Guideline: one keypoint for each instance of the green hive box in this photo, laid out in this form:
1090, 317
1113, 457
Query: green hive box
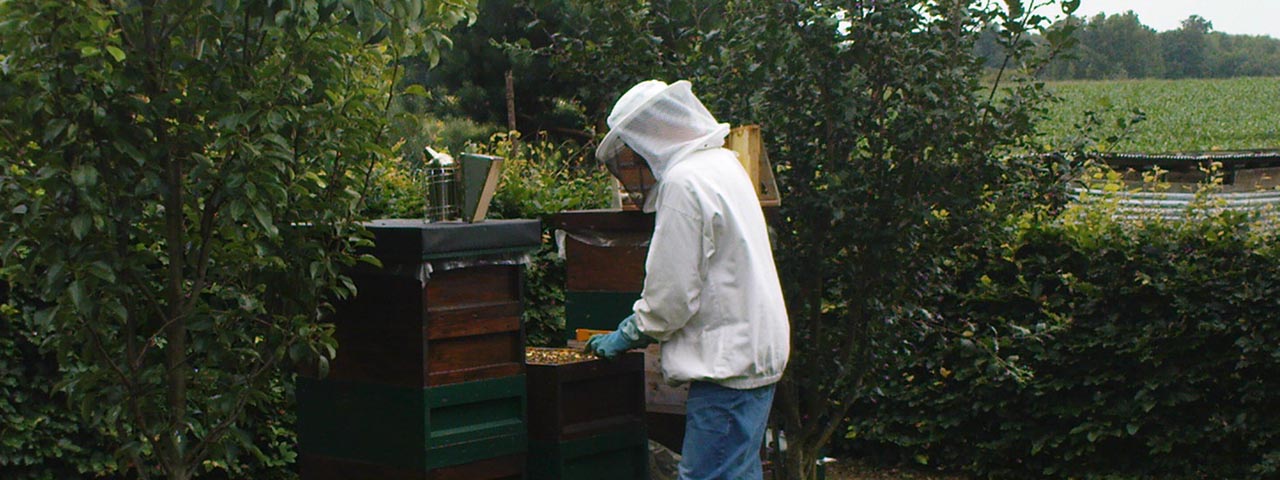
619, 455
412, 428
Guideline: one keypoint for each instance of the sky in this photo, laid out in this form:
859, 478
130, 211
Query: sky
1239, 17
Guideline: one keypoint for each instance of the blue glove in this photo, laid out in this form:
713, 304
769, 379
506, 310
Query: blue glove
626, 337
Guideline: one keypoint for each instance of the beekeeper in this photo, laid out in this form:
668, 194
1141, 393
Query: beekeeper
711, 294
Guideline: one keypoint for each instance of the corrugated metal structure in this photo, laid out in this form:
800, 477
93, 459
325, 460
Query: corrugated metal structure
1242, 171
1250, 184
1176, 205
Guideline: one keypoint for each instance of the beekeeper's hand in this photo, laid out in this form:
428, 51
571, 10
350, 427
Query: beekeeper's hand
626, 337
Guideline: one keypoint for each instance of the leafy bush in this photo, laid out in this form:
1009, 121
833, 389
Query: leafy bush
40, 437
1088, 347
179, 188
540, 179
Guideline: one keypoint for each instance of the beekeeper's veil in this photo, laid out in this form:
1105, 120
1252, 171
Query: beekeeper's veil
663, 124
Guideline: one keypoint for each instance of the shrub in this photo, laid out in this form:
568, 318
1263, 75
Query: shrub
1088, 347
540, 179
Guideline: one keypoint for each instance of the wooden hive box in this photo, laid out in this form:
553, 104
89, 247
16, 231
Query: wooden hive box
411, 429
579, 399
619, 455
439, 310
429, 377
604, 253
511, 467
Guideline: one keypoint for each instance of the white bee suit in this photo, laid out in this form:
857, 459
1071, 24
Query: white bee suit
711, 293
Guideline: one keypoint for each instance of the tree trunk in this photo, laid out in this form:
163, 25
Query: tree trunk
800, 463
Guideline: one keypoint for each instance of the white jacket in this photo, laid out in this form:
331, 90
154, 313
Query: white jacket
711, 292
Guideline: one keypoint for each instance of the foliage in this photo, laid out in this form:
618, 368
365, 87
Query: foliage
1082, 346
540, 179
1180, 116
890, 153
1120, 47
395, 192
180, 182
39, 437
472, 75
1111, 46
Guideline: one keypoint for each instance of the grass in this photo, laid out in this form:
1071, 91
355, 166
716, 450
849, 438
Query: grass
1181, 115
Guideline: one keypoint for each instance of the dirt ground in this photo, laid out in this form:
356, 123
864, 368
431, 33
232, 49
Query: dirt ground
856, 470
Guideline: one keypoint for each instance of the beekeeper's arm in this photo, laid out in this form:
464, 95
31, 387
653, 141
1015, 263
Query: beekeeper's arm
676, 267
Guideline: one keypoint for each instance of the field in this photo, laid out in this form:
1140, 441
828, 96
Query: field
1181, 115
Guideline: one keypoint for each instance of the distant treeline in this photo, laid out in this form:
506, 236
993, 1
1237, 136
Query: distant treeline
1119, 46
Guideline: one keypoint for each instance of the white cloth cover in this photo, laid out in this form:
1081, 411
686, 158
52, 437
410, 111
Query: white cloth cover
711, 292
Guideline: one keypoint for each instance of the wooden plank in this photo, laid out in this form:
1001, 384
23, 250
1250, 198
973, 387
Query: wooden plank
473, 287
591, 268
472, 355
498, 370
510, 467
384, 299
745, 141
499, 317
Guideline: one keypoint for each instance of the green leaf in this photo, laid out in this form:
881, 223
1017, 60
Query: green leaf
44, 318
116, 53
79, 298
263, 216
84, 176
416, 90
80, 225
102, 271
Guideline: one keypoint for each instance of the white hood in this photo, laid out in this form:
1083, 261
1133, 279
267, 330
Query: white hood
663, 124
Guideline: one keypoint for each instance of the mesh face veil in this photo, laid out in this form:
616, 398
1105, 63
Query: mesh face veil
633, 174
662, 123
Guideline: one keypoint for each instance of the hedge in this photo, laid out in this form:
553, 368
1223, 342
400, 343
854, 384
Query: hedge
1096, 349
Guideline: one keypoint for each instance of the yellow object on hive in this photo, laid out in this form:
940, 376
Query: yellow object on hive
584, 334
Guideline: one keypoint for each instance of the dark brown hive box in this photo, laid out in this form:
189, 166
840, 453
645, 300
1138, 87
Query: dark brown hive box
444, 308
578, 399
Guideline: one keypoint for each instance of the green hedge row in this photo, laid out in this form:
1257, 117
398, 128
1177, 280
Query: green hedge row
39, 437
1096, 349
43, 438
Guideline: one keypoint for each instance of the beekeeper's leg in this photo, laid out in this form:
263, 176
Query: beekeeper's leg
724, 429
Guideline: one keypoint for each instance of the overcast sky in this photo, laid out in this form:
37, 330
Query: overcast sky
1251, 17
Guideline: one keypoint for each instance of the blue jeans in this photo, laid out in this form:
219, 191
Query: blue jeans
724, 429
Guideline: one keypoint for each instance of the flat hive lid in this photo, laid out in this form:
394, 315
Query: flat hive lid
402, 240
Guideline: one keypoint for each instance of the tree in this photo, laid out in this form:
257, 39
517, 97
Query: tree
1111, 46
891, 152
180, 183
1186, 50
1122, 45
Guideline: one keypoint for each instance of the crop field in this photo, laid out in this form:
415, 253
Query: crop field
1180, 115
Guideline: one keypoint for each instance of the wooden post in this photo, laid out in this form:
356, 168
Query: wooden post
511, 102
